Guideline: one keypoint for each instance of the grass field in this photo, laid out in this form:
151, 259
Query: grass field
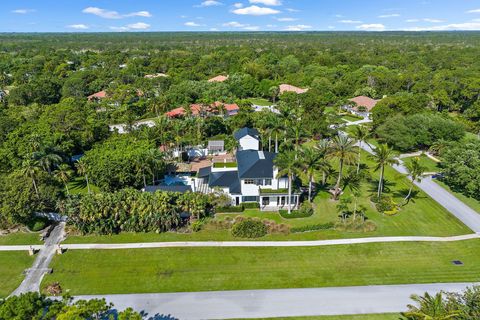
351, 118
383, 316
79, 186
20, 238
260, 102
426, 162
206, 269
11, 270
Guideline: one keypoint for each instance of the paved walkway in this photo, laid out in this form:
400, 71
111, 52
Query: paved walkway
276, 303
40, 266
456, 207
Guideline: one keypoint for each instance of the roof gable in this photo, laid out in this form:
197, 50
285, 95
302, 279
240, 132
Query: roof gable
254, 164
239, 134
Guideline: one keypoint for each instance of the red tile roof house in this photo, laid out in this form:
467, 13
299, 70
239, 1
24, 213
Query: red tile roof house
362, 106
97, 96
198, 109
289, 88
219, 78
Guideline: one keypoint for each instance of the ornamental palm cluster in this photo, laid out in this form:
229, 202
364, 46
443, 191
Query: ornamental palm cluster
131, 210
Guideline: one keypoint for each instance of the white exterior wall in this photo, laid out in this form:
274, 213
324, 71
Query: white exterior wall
249, 143
249, 189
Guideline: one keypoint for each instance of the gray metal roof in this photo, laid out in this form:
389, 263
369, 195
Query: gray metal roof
172, 188
239, 134
225, 179
254, 164
204, 172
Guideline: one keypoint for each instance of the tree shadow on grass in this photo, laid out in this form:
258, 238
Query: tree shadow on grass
387, 186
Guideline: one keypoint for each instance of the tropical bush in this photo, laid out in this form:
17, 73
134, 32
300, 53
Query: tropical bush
37, 224
230, 209
249, 228
355, 225
305, 210
251, 205
313, 227
131, 210
385, 204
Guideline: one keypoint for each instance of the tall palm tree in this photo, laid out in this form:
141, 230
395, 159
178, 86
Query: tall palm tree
383, 156
415, 171
30, 169
323, 148
343, 149
287, 165
430, 308
82, 168
310, 162
63, 174
47, 160
360, 134
353, 182
154, 159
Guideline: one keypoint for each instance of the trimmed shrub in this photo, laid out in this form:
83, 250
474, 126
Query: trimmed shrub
313, 227
251, 205
306, 210
358, 225
385, 205
38, 224
230, 209
249, 228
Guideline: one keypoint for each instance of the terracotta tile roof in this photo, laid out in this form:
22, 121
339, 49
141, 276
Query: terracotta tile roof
290, 88
99, 95
363, 101
219, 78
197, 108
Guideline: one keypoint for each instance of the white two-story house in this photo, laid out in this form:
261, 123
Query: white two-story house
253, 177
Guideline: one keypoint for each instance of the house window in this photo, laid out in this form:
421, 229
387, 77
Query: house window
250, 199
259, 182
268, 182
249, 181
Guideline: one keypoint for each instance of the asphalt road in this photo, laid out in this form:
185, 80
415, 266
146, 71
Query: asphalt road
276, 303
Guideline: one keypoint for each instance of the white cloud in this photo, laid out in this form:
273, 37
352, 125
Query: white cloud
133, 26
433, 20
111, 14
331, 27
267, 2
234, 24
412, 20
286, 19
474, 11
210, 3
393, 15
238, 5
213, 29
252, 28
292, 10
79, 26
371, 27
298, 27
23, 11
255, 11
350, 21
449, 27
192, 24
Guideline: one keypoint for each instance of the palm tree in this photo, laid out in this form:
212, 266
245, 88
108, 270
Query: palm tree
154, 159
30, 169
353, 182
143, 168
48, 160
383, 156
343, 149
310, 163
415, 171
63, 174
360, 134
431, 308
82, 168
323, 148
288, 165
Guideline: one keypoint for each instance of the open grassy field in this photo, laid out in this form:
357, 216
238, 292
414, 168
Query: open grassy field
11, 270
19, 238
426, 162
351, 117
206, 269
260, 102
383, 316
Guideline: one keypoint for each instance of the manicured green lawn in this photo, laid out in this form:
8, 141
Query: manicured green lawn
471, 202
206, 269
20, 238
79, 186
426, 162
383, 316
351, 118
260, 102
11, 270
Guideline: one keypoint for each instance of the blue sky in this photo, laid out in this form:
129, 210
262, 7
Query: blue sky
237, 15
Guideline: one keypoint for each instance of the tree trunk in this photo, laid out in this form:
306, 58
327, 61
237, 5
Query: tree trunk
380, 184
34, 185
407, 198
276, 142
355, 208
339, 179
66, 187
289, 193
310, 183
88, 184
324, 178
144, 179
359, 156
269, 143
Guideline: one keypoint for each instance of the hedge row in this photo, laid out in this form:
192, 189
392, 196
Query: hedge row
313, 227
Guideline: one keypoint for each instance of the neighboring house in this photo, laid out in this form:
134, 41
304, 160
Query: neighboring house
97, 96
253, 177
155, 75
289, 88
216, 108
219, 78
3, 95
216, 147
362, 106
